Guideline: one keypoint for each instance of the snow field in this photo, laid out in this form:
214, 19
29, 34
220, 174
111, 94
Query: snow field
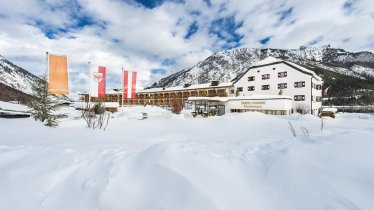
238, 161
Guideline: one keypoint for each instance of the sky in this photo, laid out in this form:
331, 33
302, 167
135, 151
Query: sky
157, 38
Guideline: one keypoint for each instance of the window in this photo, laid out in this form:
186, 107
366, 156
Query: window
299, 84
282, 74
282, 85
265, 87
251, 88
319, 87
299, 97
239, 89
318, 98
266, 76
252, 78
232, 91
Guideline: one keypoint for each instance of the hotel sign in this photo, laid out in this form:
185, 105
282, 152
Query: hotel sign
253, 104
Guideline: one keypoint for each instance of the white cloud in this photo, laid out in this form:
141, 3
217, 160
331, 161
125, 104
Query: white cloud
126, 34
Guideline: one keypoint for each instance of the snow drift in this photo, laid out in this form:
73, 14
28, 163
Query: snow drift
238, 161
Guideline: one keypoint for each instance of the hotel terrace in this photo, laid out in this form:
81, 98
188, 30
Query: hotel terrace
164, 97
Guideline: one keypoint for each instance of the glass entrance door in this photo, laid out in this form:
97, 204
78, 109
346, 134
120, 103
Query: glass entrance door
221, 110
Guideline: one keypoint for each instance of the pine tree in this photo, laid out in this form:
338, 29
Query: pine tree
42, 105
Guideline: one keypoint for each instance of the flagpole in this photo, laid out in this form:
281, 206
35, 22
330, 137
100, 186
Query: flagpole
123, 80
47, 70
89, 83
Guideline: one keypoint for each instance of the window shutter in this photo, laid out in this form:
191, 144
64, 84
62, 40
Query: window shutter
285, 74
279, 86
279, 74
303, 97
285, 85
295, 84
303, 84
295, 98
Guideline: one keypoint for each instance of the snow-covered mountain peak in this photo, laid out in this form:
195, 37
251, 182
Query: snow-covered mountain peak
16, 77
226, 65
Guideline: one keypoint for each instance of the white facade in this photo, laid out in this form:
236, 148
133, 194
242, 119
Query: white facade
208, 106
273, 75
276, 105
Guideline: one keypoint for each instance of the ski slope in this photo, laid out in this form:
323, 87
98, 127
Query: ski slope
238, 161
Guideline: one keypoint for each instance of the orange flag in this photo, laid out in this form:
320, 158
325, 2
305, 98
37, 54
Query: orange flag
58, 74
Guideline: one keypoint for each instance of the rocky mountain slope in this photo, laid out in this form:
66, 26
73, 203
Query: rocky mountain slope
15, 77
336, 66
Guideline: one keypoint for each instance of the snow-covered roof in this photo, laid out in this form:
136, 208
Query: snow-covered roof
252, 97
223, 99
271, 60
267, 60
262, 97
106, 104
304, 69
181, 88
13, 106
330, 109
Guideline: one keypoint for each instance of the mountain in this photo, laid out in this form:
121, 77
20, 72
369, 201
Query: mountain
326, 61
15, 82
15, 76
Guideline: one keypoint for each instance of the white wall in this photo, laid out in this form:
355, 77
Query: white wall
293, 75
264, 104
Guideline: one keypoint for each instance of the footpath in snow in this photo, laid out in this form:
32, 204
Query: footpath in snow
238, 161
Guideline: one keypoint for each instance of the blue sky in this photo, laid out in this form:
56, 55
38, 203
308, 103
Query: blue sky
159, 37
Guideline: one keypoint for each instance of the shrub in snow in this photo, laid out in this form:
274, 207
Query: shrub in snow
95, 116
302, 108
176, 106
41, 104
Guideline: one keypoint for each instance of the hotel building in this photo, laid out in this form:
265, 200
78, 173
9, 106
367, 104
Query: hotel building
272, 86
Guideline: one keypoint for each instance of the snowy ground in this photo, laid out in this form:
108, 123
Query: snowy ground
238, 161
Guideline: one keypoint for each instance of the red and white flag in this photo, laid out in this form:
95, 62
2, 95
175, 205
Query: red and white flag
325, 91
98, 82
129, 84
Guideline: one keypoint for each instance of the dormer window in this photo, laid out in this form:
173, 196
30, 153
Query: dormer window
265, 87
282, 85
265, 76
299, 98
282, 74
300, 84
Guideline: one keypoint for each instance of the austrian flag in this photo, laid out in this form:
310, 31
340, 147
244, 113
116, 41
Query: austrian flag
98, 82
129, 84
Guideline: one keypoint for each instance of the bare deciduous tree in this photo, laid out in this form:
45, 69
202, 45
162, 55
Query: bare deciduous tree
95, 116
176, 106
302, 108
